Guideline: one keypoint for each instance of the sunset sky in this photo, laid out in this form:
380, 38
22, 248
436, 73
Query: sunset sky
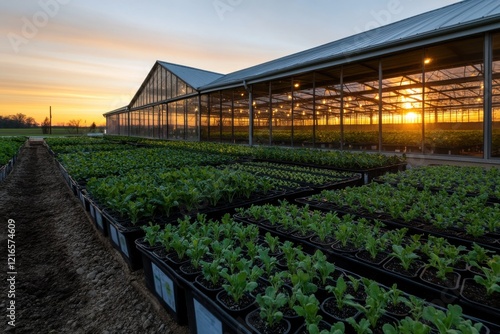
85, 58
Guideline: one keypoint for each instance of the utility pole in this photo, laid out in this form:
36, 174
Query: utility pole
50, 127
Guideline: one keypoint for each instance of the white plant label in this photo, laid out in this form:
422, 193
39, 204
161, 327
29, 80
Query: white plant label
114, 235
206, 322
123, 244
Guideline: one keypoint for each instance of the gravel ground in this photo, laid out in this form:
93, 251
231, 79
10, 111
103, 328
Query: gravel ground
69, 279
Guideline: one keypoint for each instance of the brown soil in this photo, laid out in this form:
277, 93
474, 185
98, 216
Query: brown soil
69, 279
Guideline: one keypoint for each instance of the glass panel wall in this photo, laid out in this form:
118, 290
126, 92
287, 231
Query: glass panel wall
495, 145
262, 108
123, 127
241, 116
281, 101
214, 117
454, 106
328, 95
113, 124
303, 110
205, 118
192, 116
402, 88
227, 116
361, 108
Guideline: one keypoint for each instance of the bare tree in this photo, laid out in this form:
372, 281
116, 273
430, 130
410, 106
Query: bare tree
30, 122
46, 126
75, 124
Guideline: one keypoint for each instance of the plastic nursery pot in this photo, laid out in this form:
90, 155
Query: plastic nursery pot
207, 288
259, 325
323, 325
329, 307
205, 316
238, 310
188, 272
366, 257
452, 281
394, 266
475, 295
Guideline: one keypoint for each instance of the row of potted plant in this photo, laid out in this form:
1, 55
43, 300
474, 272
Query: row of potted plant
83, 166
307, 176
394, 249
276, 284
9, 148
445, 212
160, 193
473, 181
332, 159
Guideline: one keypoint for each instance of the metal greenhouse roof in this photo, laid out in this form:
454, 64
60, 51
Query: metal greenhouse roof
192, 76
450, 19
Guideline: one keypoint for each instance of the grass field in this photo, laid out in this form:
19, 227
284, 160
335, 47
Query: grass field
56, 131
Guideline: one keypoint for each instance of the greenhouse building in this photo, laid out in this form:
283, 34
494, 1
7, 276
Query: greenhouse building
426, 86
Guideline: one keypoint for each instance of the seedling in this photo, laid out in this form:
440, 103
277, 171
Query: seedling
308, 309
270, 304
491, 279
237, 284
339, 291
151, 233
405, 255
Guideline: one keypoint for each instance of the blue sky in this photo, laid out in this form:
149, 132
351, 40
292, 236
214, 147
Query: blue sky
88, 57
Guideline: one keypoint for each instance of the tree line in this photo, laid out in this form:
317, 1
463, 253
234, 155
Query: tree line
17, 121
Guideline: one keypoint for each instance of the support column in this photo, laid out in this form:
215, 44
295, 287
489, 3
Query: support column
380, 78
488, 103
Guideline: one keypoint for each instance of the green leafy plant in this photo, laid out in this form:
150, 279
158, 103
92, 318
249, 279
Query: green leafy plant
322, 266
450, 321
211, 270
374, 245
441, 264
406, 255
152, 233
165, 237
197, 249
270, 304
269, 262
407, 326
395, 296
375, 303
272, 242
416, 306
478, 256
339, 291
180, 244
491, 279
308, 308
337, 328
237, 284
361, 327
303, 281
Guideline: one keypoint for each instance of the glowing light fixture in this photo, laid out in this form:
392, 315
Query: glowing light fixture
427, 61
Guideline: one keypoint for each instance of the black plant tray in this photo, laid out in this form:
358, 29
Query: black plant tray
191, 305
414, 227
368, 174
123, 233
164, 284
492, 200
440, 296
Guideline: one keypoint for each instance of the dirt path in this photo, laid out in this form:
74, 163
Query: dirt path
69, 280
